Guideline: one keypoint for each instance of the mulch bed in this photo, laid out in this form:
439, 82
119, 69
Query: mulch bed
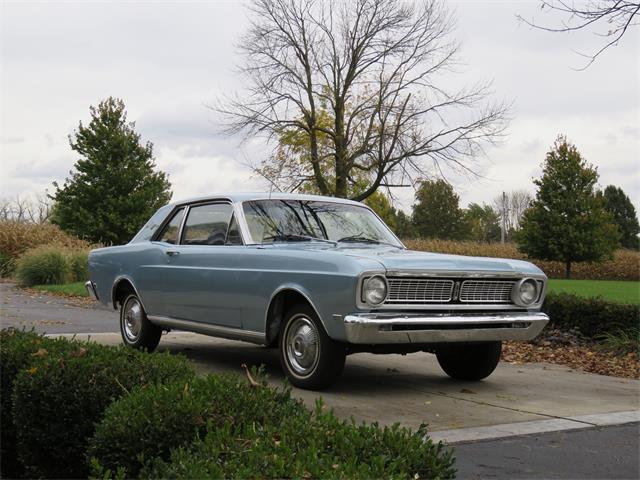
574, 351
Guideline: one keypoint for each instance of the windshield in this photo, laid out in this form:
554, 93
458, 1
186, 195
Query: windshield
295, 220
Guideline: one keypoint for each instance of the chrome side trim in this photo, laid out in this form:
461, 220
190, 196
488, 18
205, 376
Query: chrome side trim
91, 290
208, 329
374, 329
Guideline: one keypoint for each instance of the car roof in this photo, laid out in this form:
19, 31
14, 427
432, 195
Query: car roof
248, 196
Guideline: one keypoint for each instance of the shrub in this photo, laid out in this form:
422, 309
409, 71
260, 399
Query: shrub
58, 401
51, 265
621, 342
592, 316
314, 445
43, 266
7, 265
79, 264
152, 421
18, 349
625, 264
18, 237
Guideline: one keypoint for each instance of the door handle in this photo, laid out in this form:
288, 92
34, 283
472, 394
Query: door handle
172, 253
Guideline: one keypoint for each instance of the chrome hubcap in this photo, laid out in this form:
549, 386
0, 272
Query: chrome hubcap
132, 319
302, 346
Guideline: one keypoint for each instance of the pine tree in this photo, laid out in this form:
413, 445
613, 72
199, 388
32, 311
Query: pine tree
618, 204
114, 187
437, 212
567, 221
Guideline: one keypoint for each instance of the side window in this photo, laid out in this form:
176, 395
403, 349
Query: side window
169, 233
207, 224
233, 235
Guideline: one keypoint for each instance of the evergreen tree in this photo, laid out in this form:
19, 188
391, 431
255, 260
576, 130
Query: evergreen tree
483, 223
567, 221
618, 204
404, 226
437, 212
115, 186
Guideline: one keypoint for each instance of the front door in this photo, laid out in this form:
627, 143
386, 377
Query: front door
201, 275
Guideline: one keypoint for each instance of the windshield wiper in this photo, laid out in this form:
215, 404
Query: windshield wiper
362, 239
288, 237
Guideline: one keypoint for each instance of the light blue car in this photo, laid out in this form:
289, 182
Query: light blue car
319, 278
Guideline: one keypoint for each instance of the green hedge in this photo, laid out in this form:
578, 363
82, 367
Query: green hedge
19, 349
314, 445
592, 316
60, 398
148, 415
152, 421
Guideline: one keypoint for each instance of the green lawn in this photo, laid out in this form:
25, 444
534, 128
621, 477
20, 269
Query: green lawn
74, 289
614, 291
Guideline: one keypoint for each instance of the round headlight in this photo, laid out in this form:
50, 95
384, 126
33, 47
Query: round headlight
374, 290
525, 292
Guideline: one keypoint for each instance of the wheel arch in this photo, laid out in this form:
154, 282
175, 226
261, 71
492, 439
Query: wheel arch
281, 300
121, 286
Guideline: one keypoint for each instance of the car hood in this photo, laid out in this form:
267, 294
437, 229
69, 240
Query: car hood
409, 260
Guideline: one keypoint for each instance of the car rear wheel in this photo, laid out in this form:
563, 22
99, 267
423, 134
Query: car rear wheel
309, 358
470, 362
136, 329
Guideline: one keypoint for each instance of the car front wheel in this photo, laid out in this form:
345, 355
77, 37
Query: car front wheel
136, 329
471, 361
309, 358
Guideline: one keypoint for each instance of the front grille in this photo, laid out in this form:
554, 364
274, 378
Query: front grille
419, 290
485, 291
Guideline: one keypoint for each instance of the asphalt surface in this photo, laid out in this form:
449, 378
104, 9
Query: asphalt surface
53, 314
595, 453
412, 390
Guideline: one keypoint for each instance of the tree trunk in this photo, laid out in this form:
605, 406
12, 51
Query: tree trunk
342, 170
567, 270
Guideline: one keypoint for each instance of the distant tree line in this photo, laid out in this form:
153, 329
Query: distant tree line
437, 213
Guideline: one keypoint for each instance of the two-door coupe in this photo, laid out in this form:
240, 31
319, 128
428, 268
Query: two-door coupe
319, 278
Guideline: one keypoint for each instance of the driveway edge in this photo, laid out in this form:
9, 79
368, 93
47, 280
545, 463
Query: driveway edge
467, 435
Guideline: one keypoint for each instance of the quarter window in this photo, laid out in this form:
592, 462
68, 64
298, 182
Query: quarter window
169, 233
207, 224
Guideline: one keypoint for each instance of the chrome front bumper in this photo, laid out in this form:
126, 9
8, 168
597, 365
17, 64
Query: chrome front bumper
383, 328
91, 290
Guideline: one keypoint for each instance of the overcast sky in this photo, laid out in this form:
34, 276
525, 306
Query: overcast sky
168, 60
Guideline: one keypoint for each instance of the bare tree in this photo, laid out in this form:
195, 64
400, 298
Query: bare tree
511, 206
365, 79
616, 15
25, 209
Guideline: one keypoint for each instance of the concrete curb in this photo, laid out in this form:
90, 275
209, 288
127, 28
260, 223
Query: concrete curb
465, 435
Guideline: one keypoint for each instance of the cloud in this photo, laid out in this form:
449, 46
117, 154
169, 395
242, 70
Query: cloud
10, 140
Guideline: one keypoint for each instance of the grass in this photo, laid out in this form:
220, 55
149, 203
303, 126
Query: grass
75, 289
614, 291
